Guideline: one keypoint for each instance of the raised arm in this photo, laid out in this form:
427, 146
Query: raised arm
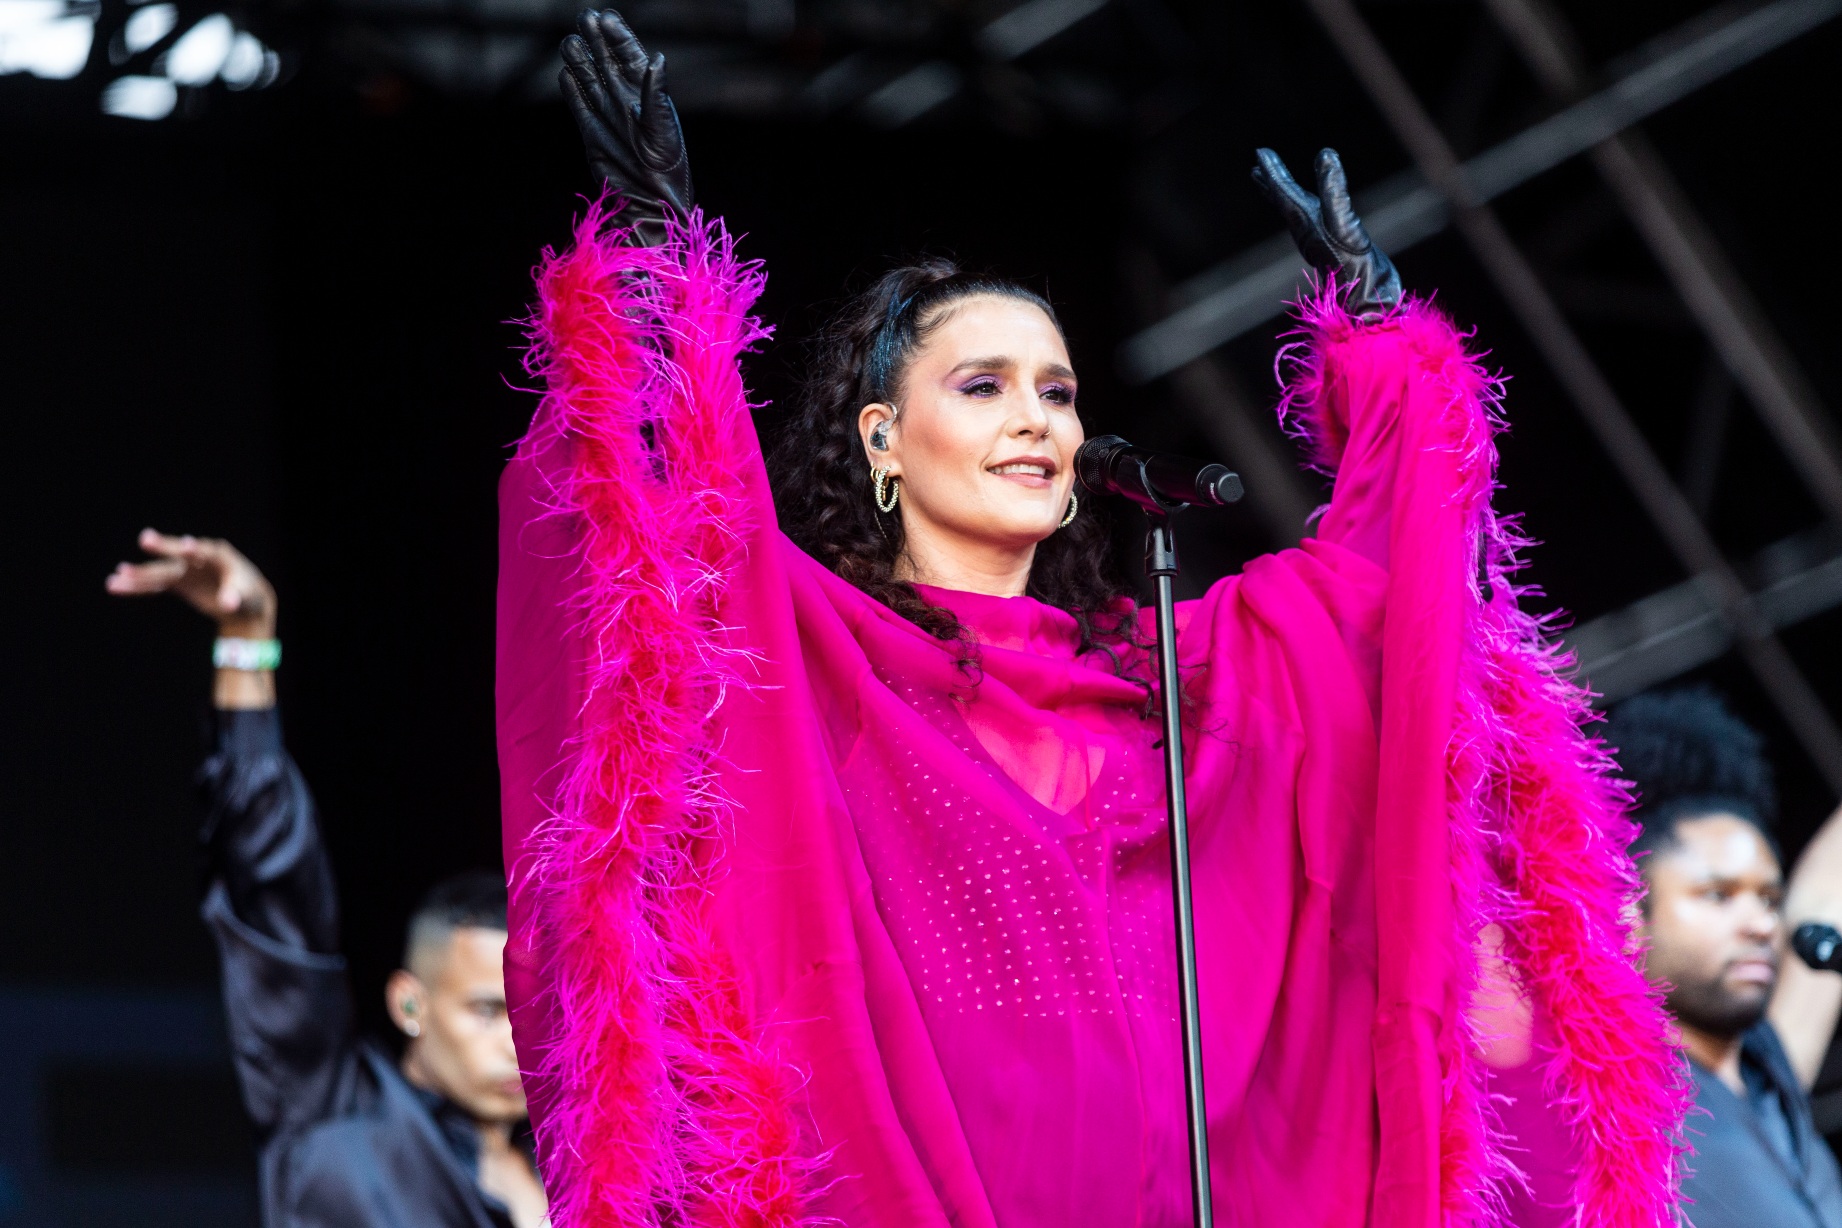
1329, 235
637, 494
1493, 814
1806, 1004
1363, 380
628, 123
270, 901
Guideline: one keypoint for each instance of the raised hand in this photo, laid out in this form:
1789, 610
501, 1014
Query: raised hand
628, 124
210, 575
1329, 234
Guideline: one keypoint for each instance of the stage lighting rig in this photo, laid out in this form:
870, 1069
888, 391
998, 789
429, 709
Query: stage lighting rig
885, 63
142, 57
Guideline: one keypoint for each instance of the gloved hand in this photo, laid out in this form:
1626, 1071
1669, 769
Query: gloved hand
1330, 235
629, 126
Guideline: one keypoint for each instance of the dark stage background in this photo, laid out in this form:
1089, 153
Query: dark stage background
290, 319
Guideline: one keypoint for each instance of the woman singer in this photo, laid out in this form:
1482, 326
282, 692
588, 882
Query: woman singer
834, 805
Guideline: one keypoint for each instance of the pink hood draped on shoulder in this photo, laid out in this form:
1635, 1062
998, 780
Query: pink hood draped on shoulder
809, 927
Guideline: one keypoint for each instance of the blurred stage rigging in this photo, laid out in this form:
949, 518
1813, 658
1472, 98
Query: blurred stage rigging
277, 313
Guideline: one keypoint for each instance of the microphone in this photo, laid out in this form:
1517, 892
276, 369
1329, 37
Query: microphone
1818, 945
1108, 465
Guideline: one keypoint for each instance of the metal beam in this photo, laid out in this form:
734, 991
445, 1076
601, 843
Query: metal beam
1031, 24
1253, 287
912, 94
1693, 260
1669, 633
1598, 403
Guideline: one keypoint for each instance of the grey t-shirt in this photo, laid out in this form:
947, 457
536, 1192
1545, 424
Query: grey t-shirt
1758, 1161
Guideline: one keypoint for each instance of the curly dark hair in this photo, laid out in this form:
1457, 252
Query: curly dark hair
821, 478
1689, 755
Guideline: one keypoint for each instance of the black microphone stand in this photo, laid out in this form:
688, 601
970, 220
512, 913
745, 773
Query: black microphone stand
1161, 567
1163, 486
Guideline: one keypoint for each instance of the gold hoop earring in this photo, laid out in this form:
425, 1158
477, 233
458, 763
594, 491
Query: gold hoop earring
1074, 504
882, 483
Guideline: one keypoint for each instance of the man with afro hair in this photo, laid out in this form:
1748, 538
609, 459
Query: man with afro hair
1754, 1025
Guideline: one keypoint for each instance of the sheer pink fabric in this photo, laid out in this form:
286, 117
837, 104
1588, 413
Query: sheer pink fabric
943, 908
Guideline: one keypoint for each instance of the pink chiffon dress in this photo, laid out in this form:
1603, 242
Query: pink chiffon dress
813, 924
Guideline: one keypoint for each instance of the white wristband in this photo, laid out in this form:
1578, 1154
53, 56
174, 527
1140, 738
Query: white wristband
232, 653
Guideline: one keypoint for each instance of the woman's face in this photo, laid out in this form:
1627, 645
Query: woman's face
985, 441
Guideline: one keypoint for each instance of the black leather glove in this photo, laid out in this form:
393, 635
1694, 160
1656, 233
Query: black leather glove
629, 126
1330, 235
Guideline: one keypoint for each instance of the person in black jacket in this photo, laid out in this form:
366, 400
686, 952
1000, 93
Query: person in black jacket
1754, 1024
349, 1136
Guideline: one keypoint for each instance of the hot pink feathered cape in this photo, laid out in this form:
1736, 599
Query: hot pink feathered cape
807, 927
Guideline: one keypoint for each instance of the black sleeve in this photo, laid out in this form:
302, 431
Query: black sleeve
271, 906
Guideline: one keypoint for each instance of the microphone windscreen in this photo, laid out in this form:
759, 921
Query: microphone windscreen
1222, 486
1091, 461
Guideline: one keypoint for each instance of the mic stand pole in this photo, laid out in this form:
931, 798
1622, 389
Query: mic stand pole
1161, 568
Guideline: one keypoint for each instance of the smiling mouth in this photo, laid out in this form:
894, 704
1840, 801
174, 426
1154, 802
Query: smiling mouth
1024, 469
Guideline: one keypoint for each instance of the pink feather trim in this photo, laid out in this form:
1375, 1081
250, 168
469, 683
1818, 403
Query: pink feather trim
1538, 835
667, 1108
